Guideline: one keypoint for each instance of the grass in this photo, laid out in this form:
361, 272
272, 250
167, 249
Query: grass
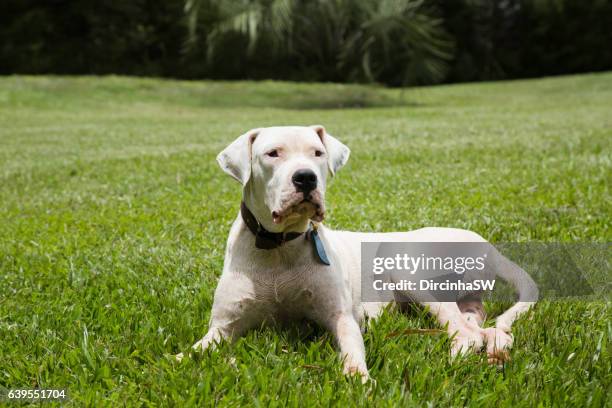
114, 217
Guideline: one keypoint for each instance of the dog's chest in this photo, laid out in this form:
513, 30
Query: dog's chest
287, 292
284, 284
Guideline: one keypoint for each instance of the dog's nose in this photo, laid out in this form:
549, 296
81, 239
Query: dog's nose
304, 180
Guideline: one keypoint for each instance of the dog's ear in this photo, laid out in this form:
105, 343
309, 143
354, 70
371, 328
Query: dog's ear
235, 159
337, 153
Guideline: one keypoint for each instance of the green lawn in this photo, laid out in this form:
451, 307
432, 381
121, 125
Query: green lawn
114, 216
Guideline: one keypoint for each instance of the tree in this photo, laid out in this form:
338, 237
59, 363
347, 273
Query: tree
394, 41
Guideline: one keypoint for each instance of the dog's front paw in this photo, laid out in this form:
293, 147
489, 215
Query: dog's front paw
357, 369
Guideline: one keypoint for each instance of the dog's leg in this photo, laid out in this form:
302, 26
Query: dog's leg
466, 337
504, 321
469, 336
498, 345
220, 330
212, 337
215, 334
234, 312
346, 331
524, 284
498, 341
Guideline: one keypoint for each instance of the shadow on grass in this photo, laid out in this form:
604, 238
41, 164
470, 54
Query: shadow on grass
349, 99
110, 91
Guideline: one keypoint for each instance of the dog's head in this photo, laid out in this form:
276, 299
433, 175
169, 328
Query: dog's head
284, 171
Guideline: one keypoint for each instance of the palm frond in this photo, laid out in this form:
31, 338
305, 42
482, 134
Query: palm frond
360, 39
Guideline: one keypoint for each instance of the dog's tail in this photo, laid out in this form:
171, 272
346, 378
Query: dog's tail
522, 282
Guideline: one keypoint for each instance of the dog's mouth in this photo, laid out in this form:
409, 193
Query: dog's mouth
298, 206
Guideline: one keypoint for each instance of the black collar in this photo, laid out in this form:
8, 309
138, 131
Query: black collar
265, 239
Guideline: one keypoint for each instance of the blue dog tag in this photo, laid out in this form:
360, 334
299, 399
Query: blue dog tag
318, 246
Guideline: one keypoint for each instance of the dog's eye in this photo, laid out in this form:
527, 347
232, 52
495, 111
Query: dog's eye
319, 153
273, 153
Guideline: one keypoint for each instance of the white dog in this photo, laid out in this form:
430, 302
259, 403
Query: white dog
272, 273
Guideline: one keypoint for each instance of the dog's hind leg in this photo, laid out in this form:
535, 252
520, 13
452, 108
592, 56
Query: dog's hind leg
498, 342
465, 337
524, 284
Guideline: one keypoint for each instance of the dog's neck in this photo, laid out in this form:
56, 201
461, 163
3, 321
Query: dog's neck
265, 239
280, 246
